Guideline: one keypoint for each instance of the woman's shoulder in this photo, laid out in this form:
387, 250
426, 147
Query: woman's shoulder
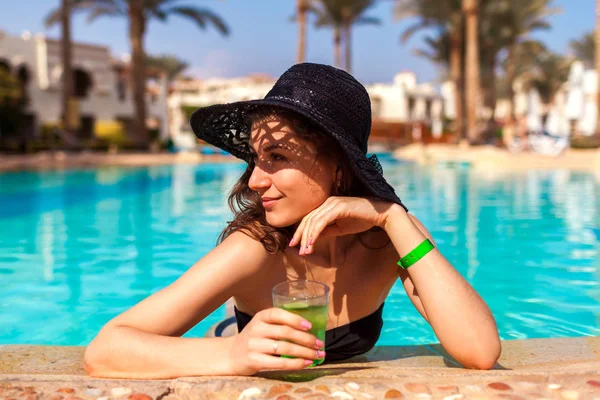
244, 241
247, 248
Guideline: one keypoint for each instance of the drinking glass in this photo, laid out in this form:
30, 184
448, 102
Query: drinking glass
308, 299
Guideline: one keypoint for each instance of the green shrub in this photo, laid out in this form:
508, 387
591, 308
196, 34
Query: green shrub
188, 110
12, 103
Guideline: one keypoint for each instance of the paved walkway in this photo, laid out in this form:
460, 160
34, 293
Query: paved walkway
500, 160
60, 159
566, 369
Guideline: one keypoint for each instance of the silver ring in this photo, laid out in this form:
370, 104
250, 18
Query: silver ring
275, 346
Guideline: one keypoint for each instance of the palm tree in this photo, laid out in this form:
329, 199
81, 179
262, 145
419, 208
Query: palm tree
446, 16
64, 15
470, 8
170, 66
522, 18
139, 12
548, 74
493, 37
302, 8
353, 14
529, 53
584, 49
437, 49
341, 15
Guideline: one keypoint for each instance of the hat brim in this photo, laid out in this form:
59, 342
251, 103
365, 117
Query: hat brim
226, 126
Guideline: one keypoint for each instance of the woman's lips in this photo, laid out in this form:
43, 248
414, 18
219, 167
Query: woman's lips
268, 202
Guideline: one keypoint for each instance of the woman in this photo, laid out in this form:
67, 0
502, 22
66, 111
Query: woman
310, 205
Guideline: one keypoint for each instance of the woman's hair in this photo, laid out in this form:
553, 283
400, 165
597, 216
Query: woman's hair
245, 203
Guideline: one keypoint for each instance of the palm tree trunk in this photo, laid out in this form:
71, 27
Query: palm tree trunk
348, 41
301, 9
337, 47
67, 75
597, 61
470, 8
457, 77
490, 81
510, 77
137, 24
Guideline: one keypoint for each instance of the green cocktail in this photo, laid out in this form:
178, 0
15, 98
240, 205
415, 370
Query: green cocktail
308, 299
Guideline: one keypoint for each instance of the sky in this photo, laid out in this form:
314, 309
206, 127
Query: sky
263, 39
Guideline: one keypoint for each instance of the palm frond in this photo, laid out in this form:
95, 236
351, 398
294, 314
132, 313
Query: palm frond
98, 12
414, 28
202, 17
170, 65
368, 21
406, 9
95, 8
53, 17
584, 49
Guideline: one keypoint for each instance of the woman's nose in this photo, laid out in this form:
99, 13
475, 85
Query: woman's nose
259, 179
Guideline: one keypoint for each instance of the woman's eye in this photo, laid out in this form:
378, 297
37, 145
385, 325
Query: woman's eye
277, 157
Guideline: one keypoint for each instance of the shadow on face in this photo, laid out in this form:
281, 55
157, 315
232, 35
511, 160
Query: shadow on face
288, 168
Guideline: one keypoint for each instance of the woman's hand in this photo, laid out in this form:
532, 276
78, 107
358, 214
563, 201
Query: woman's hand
339, 216
271, 333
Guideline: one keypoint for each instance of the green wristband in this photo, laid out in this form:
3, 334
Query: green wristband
416, 254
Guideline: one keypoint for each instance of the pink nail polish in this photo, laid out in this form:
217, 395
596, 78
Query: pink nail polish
305, 324
320, 354
319, 343
307, 362
310, 242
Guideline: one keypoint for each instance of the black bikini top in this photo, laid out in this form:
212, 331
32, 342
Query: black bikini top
342, 342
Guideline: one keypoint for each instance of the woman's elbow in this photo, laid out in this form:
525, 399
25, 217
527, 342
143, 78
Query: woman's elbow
95, 360
485, 357
90, 361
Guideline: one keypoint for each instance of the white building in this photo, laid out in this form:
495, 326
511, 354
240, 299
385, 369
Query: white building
403, 100
202, 93
99, 83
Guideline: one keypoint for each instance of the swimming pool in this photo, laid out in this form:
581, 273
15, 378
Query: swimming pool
78, 247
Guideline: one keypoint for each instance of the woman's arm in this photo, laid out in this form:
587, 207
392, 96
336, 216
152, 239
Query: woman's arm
144, 341
458, 315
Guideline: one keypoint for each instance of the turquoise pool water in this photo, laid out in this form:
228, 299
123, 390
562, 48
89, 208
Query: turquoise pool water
79, 247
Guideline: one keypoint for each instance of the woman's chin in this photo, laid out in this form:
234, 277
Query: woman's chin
279, 221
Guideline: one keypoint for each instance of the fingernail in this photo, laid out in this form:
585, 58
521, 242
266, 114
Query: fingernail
305, 324
291, 241
307, 362
319, 343
310, 241
320, 354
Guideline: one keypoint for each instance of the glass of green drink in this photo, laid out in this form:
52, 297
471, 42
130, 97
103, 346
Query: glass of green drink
308, 299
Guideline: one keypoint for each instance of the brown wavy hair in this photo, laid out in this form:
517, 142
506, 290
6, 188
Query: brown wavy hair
245, 203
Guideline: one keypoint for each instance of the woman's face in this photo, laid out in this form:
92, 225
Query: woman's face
288, 175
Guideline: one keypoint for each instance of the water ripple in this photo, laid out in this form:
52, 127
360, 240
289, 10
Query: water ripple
83, 246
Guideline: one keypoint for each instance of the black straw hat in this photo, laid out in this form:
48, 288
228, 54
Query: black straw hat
327, 96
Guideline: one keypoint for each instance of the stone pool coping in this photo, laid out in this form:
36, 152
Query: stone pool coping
535, 368
481, 157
